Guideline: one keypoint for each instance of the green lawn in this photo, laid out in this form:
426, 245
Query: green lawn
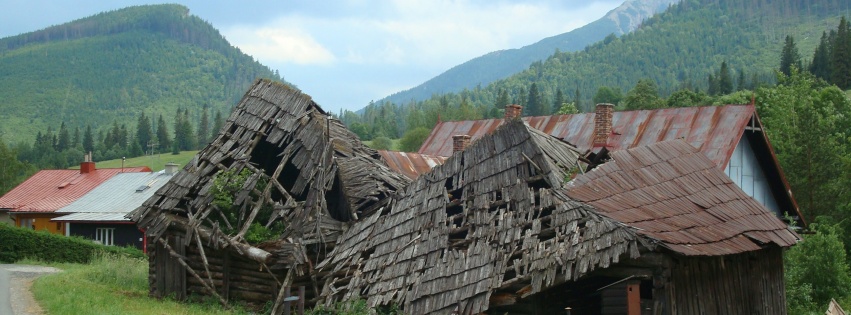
155, 162
110, 285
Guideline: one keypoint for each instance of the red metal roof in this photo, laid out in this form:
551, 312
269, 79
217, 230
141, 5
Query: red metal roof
49, 190
715, 130
670, 192
411, 165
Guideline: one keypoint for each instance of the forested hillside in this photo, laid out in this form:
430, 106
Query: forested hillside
678, 49
113, 66
500, 64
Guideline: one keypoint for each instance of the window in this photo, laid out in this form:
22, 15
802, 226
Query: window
104, 235
27, 223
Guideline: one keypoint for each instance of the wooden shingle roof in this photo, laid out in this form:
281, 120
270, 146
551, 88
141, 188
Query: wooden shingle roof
669, 191
307, 166
490, 219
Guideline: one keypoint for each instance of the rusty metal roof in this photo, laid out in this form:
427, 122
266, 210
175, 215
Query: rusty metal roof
49, 190
670, 192
715, 130
411, 165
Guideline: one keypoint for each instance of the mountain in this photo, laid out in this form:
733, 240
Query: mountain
114, 65
500, 64
679, 48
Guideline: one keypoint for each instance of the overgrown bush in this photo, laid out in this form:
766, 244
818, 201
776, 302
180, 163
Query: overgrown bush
226, 186
18, 243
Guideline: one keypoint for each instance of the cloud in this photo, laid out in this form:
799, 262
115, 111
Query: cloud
279, 45
436, 34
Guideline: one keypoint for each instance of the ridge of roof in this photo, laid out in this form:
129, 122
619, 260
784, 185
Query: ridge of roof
710, 128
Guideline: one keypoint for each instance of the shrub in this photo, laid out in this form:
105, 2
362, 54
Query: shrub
413, 139
382, 143
18, 243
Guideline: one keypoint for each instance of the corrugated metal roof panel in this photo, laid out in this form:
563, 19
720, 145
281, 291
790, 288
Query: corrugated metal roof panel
93, 217
411, 165
714, 129
687, 203
119, 194
42, 192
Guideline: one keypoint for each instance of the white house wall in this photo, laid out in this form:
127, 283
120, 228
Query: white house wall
745, 171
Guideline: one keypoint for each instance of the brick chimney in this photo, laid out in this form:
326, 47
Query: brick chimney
602, 124
87, 166
170, 168
513, 111
460, 142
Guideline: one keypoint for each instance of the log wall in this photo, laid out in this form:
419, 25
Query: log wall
235, 278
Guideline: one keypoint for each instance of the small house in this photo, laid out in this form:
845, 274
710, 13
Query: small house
100, 214
33, 203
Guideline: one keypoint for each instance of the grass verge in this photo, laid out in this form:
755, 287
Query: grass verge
110, 284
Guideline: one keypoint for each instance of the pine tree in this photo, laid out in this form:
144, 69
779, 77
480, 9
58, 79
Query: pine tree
559, 100
203, 129
534, 102
725, 81
184, 137
820, 67
741, 82
144, 131
64, 139
88, 140
123, 137
162, 135
790, 56
714, 87
218, 123
840, 61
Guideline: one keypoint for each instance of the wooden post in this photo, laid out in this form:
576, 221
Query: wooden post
226, 276
287, 304
301, 300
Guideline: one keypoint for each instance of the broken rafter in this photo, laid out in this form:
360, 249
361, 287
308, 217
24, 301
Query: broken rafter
180, 259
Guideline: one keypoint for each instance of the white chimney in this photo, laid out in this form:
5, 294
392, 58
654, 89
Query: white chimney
170, 168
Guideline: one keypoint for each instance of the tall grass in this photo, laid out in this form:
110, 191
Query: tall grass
110, 284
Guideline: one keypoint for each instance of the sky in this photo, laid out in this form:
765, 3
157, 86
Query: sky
346, 53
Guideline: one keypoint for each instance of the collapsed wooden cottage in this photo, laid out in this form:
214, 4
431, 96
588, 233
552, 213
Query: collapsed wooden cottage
497, 228
279, 161
658, 230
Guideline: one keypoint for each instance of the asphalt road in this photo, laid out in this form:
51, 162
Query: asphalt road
5, 305
15, 296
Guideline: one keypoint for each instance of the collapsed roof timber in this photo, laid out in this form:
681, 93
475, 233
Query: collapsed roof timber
494, 229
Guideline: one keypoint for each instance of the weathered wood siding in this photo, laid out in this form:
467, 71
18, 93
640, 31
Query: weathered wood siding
749, 283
